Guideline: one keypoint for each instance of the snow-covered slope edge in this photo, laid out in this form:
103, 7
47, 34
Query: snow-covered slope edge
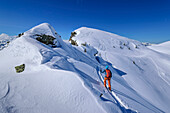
142, 72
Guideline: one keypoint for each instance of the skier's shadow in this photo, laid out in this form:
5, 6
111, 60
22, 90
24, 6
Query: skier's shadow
119, 72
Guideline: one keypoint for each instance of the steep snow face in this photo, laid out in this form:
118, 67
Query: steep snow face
135, 66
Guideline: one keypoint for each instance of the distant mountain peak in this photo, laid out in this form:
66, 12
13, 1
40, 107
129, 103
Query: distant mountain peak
5, 37
3, 34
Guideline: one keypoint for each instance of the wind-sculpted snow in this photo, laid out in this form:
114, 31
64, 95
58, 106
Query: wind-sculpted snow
145, 71
41, 88
66, 78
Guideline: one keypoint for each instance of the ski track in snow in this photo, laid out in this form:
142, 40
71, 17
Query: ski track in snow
121, 105
125, 108
7, 92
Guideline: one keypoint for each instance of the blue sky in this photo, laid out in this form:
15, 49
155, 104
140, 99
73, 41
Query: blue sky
142, 20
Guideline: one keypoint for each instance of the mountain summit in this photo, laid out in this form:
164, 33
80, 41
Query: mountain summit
104, 40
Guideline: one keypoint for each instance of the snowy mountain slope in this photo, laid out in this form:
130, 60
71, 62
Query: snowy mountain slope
144, 72
163, 47
47, 91
40, 89
105, 41
66, 79
45, 86
5, 39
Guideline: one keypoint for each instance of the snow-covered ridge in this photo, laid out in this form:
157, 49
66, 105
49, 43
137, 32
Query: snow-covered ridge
66, 78
105, 41
43, 28
166, 44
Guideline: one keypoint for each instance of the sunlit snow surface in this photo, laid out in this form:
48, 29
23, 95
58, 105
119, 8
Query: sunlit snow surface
67, 79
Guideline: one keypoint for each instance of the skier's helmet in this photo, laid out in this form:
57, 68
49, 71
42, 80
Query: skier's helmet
107, 67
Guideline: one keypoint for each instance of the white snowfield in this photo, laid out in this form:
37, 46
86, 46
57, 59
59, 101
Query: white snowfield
163, 47
65, 79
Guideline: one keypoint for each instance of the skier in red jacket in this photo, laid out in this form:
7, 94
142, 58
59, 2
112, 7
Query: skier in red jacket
107, 76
